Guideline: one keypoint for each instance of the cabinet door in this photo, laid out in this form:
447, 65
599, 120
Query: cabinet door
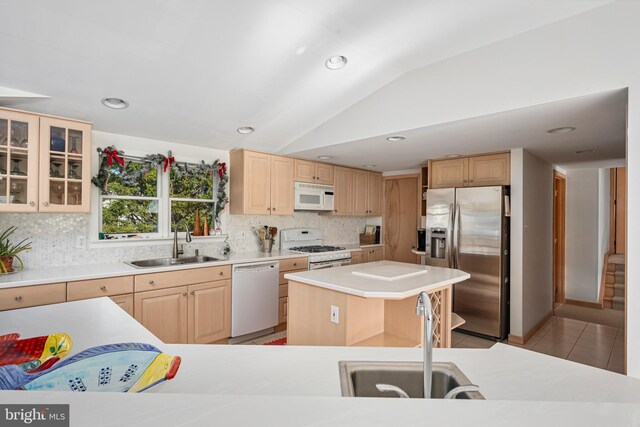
209, 312
257, 191
356, 257
282, 309
343, 191
164, 313
374, 200
324, 173
449, 173
65, 166
282, 197
372, 254
18, 162
305, 171
360, 192
125, 302
492, 169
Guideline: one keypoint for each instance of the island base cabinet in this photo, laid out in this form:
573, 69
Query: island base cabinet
164, 313
209, 312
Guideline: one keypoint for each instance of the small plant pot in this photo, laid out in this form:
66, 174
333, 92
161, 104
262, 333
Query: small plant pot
8, 263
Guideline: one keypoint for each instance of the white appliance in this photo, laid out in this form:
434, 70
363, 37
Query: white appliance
313, 197
254, 299
309, 241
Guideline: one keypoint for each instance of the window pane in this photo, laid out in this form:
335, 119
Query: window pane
196, 185
142, 185
121, 216
186, 211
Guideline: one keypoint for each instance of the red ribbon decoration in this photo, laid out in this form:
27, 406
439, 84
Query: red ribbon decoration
111, 155
168, 161
222, 170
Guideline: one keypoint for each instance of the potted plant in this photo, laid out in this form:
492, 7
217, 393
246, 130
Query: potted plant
9, 251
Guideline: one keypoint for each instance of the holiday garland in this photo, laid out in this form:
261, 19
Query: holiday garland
112, 160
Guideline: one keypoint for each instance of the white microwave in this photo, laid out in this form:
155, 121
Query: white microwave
313, 197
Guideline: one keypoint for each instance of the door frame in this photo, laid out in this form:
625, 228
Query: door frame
418, 177
559, 237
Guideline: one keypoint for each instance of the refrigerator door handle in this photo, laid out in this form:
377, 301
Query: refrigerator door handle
450, 244
456, 237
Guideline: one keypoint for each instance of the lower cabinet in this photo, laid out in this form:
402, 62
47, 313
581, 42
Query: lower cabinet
356, 257
282, 309
194, 314
125, 302
31, 296
371, 254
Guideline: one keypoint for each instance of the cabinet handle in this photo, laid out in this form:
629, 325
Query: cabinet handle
184, 294
18, 298
103, 288
336, 211
45, 203
193, 292
470, 180
295, 264
268, 209
32, 203
221, 273
152, 283
274, 209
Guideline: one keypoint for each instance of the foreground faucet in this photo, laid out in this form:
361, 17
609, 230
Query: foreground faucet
424, 309
177, 252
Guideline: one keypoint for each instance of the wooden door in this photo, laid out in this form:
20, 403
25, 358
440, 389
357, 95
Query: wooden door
559, 203
282, 191
621, 210
209, 312
401, 217
343, 191
305, 171
449, 173
65, 166
125, 302
164, 313
324, 173
257, 191
18, 162
374, 201
492, 169
360, 192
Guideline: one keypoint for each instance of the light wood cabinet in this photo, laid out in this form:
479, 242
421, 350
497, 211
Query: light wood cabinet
153, 281
164, 313
356, 257
360, 192
95, 288
125, 302
343, 191
313, 172
31, 296
374, 196
371, 254
357, 192
282, 310
476, 171
290, 265
261, 184
209, 312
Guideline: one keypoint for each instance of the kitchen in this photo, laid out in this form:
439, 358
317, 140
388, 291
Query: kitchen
71, 239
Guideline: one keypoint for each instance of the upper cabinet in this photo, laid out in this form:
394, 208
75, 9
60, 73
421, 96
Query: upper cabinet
357, 192
60, 181
476, 171
343, 191
261, 184
313, 172
374, 194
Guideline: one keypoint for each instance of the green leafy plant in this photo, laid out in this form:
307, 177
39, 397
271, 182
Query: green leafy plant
9, 250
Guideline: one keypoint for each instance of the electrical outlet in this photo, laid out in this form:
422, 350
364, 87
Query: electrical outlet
81, 242
335, 314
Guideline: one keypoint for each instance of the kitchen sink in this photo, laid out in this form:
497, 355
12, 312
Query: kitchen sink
359, 379
165, 262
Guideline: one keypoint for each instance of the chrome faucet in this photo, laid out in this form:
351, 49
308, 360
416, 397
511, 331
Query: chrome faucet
177, 252
424, 309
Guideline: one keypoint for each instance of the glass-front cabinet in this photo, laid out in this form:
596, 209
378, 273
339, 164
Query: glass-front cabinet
65, 165
18, 162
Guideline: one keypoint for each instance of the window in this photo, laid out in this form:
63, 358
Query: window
188, 194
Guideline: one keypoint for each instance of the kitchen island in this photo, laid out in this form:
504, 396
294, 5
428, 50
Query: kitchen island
369, 305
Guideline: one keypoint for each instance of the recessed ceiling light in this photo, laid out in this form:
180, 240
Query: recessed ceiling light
565, 129
324, 157
336, 62
452, 156
396, 138
245, 130
368, 166
585, 151
116, 103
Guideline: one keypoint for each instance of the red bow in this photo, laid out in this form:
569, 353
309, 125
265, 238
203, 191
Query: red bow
111, 155
222, 170
168, 161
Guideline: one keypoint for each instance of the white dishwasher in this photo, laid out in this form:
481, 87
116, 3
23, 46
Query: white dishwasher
254, 299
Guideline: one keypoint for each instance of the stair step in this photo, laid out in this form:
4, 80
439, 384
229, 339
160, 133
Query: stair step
617, 303
619, 275
618, 291
616, 259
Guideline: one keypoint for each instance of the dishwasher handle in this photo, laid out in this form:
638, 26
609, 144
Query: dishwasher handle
255, 267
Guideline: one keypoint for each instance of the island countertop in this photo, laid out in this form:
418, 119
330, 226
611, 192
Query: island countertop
360, 280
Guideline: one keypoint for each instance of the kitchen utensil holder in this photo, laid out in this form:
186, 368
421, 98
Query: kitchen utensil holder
266, 245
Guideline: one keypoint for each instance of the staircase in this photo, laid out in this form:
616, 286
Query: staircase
615, 283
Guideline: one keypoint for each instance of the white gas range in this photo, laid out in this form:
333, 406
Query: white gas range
309, 241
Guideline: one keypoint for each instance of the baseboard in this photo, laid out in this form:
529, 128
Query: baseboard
515, 339
583, 303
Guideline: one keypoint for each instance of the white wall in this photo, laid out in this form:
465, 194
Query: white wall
517, 246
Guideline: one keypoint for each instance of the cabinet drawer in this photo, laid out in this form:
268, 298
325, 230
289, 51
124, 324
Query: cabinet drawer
107, 287
290, 264
147, 282
284, 281
30, 296
283, 291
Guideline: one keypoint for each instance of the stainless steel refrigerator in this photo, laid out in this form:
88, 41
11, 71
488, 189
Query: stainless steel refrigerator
468, 229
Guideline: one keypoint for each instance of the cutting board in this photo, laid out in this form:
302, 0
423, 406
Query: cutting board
390, 272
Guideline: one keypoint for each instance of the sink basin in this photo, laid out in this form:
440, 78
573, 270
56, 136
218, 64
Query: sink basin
359, 379
164, 262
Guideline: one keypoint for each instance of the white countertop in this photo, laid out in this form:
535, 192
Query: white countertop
297, 386
343, 280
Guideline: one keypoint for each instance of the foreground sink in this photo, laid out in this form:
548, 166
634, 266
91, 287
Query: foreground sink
359, 379
163, 262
